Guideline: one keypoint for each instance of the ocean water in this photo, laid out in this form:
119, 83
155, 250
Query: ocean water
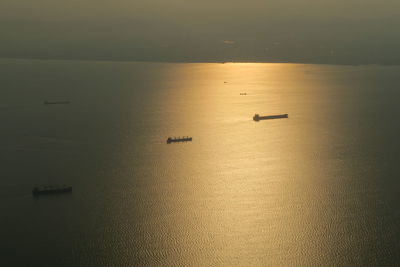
320, 188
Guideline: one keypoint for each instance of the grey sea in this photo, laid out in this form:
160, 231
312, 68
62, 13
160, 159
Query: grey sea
320, 188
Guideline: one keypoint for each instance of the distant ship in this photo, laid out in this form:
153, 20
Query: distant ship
271, 117
47, 190
178, 139
55, 102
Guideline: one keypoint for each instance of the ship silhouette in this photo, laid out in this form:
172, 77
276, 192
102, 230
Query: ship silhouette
257, 117
179, 139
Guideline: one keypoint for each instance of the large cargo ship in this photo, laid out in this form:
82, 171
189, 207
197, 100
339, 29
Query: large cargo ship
178, 139
271, 117
47, 190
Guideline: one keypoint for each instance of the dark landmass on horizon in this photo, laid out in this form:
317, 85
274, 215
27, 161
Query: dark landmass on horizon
344, 41
199, 61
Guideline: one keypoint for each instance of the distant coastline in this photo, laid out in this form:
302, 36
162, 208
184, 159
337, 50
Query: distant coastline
305, 62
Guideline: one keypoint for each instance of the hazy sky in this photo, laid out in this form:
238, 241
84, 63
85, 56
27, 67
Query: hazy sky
284, 30
196, 10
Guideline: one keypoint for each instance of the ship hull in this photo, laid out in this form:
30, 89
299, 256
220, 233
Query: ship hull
272, 117
178, 140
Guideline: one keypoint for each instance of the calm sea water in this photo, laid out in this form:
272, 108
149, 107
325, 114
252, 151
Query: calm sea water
319, 188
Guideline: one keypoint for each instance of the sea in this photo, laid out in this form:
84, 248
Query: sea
320, 188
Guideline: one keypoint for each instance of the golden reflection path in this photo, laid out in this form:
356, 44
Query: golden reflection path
249, 193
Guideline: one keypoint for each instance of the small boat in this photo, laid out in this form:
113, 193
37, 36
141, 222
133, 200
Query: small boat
271, 117
56, 102
47, 190
179, 139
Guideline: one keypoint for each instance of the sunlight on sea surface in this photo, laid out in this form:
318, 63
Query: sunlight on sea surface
318, 188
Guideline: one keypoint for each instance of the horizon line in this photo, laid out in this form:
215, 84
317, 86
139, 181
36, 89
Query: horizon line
198, 61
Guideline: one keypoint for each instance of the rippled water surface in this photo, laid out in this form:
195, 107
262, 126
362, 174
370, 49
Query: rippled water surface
319, 188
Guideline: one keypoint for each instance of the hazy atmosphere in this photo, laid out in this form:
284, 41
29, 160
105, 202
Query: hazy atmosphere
311, 31
126, 142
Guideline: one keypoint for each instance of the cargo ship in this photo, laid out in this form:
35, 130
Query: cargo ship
56, 102
178, 139
271, 117
48, 190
